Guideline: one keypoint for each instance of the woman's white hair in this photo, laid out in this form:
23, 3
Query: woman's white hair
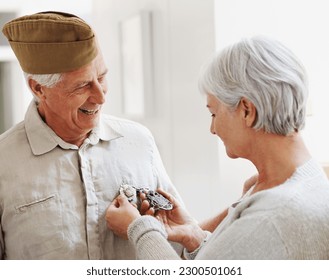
268, 74
47, 80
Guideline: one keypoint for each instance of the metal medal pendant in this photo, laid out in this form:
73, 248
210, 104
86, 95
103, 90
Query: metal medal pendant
156, 200
129, 192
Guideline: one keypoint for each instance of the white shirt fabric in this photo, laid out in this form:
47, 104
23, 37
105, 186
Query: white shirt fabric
53, 195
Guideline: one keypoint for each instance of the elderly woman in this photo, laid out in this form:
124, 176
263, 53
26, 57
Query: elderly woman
256, 94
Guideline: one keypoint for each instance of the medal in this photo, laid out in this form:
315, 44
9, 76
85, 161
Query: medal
156, 200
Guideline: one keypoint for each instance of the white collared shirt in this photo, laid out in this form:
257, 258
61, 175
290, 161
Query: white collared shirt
53, 195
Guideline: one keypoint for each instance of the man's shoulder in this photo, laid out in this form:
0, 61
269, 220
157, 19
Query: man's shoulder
12, 135
13, 143
125, 126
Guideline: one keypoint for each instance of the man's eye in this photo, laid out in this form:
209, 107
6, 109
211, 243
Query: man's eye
212, 115
101, 79
85, 85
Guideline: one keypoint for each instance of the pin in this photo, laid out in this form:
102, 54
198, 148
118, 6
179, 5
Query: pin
156, 200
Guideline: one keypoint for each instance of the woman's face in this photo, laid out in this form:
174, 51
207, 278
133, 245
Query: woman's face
228, 125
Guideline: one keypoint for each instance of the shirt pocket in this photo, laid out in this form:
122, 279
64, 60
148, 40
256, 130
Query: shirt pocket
39, 228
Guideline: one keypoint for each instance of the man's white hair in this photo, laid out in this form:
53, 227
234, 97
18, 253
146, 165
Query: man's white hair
46, 80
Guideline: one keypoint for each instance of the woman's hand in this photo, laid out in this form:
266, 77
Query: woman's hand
180, 226
120, 214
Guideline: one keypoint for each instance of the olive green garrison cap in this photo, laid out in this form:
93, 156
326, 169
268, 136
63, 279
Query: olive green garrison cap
51, 42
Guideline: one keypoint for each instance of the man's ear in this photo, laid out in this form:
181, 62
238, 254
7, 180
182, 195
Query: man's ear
36, 88
249, 111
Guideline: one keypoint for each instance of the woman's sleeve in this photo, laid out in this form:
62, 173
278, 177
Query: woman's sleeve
150, 240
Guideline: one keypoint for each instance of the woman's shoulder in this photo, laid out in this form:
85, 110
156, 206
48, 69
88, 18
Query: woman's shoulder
295, 198
306, 187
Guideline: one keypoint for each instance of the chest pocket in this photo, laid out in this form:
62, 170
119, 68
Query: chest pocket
36, 229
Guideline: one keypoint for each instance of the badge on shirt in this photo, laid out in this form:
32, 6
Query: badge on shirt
156, 200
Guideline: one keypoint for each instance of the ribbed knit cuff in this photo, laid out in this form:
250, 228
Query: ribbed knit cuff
192, 255
143, 225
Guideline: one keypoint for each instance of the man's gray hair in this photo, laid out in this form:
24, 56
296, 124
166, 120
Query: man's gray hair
47, 80
268, 74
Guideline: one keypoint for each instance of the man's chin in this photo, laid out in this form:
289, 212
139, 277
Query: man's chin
89, 124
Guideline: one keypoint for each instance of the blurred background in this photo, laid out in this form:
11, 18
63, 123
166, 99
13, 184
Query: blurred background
154, 50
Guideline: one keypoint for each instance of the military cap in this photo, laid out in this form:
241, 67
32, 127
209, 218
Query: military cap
51, 42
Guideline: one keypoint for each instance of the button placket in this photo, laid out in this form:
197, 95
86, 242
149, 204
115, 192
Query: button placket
92, 230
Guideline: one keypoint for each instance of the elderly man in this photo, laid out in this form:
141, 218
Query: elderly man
64, 164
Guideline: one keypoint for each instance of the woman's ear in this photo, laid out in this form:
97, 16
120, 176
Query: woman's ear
36, 88
249, 111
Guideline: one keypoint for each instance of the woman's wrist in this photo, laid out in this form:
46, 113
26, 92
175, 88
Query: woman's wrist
191, 255
193, 240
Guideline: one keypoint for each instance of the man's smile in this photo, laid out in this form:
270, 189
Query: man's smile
89, 112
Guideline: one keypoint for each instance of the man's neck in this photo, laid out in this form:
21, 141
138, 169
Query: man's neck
68, 135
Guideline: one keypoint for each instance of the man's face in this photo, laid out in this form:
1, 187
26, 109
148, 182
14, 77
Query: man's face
72, 107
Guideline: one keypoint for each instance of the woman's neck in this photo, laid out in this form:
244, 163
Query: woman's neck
276, 158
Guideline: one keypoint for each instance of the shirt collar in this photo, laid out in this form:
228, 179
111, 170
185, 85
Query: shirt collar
43, 139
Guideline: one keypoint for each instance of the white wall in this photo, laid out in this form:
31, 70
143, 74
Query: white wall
183, 37
303, 27
22, 7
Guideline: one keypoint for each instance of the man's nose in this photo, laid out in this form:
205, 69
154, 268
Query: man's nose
98, 93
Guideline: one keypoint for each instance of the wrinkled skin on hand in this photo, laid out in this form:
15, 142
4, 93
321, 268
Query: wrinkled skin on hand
120, 214
180, 226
